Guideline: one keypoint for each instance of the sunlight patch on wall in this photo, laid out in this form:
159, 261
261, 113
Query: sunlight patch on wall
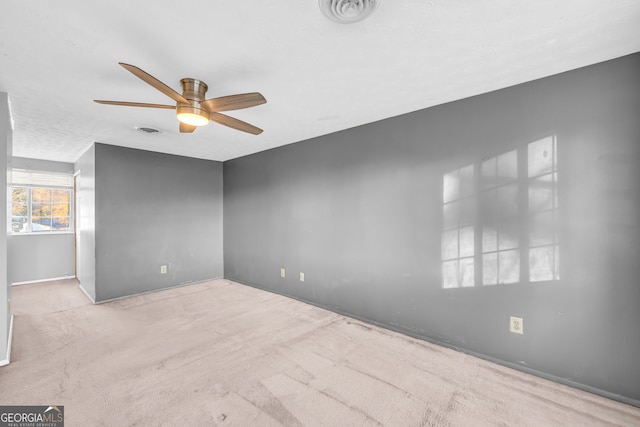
499, 214
543, 210
458, 235
499, 226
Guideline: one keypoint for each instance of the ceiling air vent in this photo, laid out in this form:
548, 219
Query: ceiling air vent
147, 130
347, 11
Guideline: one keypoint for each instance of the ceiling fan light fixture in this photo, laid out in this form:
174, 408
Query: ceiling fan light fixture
191, 115
193, 119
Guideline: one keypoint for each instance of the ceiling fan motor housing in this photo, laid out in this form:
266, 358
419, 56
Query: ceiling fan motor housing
194, 90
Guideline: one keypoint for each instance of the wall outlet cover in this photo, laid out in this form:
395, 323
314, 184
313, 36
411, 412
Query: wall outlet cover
163, 269
516, 325
282, 272
301, 276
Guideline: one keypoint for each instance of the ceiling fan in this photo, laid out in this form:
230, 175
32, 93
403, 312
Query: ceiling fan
192, 109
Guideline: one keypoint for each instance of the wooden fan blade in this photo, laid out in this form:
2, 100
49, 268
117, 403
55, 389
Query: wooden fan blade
148, 78
135, 104
234, 102
185, 128
234, 123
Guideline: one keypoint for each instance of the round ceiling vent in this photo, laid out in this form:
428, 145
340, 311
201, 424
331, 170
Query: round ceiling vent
347, 11
147, 129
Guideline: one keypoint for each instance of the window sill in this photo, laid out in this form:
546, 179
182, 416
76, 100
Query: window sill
45, 233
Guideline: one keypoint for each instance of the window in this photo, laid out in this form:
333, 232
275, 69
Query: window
41, 202
500, 223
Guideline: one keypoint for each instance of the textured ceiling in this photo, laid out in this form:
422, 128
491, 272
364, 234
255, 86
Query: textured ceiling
318, 76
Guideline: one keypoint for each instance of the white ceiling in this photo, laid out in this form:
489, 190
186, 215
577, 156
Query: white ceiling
318, 76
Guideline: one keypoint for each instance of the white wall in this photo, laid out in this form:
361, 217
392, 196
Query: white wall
5, 287
86, 221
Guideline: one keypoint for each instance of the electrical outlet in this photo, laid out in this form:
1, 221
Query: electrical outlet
516, 325
163, 269
301, 276
282, 273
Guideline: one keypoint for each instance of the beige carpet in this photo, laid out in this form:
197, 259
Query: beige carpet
220, 353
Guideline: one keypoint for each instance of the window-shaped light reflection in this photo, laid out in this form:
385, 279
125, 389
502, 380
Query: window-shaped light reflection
458, 241
513, 207
500, 211
542, 166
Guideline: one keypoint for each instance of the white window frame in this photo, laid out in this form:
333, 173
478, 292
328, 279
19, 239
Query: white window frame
29, 179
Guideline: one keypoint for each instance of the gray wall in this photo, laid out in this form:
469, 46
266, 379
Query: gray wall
41, 165
5, 285
35, 257
154, 209
86, 222
360, 212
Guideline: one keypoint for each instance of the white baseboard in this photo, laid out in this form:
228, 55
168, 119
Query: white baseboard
53, 279
10, 338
